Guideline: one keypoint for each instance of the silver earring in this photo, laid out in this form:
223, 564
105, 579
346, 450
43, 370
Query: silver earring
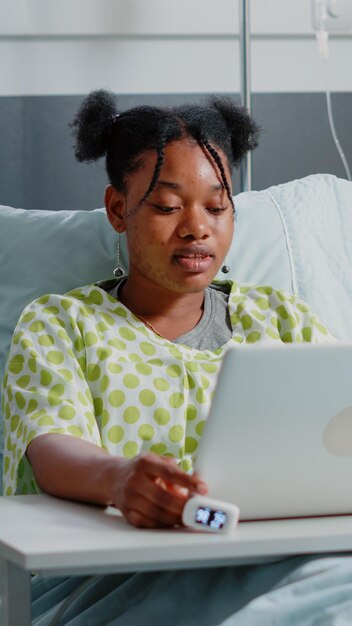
118, 271
225, 269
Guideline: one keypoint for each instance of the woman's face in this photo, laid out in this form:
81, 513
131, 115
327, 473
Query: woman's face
178, 238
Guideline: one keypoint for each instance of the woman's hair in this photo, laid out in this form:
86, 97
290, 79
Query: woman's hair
100, 129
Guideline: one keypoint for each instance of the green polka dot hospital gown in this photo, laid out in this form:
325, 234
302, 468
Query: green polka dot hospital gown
83, 365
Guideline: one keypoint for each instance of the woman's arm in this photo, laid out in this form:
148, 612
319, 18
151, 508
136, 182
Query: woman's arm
150, 490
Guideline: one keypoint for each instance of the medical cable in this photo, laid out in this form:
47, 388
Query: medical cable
55, 621
334, 134
322, 39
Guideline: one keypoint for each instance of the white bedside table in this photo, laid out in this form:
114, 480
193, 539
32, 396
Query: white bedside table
56, 537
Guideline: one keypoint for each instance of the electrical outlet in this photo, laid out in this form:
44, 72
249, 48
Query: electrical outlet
335, 16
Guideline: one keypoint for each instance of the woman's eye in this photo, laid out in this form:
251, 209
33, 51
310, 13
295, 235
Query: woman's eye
165, 209
217, 210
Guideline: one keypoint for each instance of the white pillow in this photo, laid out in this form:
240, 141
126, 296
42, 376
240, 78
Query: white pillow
47, 251
316, 214
298, 236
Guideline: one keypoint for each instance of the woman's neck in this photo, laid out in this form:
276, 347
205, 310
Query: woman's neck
168, 314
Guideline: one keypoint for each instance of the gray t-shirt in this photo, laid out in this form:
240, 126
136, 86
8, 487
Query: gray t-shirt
214, 327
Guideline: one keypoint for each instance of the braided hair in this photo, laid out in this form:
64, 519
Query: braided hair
100, 130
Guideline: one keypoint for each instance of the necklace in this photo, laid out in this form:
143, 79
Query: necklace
140, 317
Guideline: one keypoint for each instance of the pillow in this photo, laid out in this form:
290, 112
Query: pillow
48, 251
296, 236
316, 214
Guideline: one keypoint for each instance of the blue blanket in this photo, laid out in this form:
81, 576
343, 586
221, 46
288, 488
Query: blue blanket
297, 591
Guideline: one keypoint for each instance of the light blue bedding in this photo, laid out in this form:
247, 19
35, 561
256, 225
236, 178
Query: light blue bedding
297, 591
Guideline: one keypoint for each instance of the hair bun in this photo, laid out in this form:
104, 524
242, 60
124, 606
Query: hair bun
244, 131
92, 125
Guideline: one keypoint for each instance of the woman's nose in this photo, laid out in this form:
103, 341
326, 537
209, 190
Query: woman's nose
194, 223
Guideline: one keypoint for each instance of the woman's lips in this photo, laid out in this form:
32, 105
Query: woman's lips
194, 260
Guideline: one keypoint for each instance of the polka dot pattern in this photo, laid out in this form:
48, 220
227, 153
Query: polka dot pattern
82, 365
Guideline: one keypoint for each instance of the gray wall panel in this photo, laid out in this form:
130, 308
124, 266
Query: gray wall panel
11, 151
296, 138
38, 168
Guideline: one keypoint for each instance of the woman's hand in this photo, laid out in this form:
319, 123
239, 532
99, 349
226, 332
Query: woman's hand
152, 490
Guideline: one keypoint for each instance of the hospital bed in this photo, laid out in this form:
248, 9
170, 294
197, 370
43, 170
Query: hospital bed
296, 236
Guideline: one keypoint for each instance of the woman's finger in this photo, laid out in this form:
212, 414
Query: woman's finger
167, 469
159, 494
143, 512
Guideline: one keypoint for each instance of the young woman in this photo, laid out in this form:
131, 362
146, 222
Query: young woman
107, 388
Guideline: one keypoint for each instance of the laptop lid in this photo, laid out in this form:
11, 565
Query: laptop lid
278, 439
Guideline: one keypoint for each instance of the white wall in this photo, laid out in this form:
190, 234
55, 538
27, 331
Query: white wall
161, 46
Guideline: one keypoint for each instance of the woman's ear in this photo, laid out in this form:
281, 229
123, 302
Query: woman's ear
115, 205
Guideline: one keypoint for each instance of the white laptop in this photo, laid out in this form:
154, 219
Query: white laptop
278, 439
